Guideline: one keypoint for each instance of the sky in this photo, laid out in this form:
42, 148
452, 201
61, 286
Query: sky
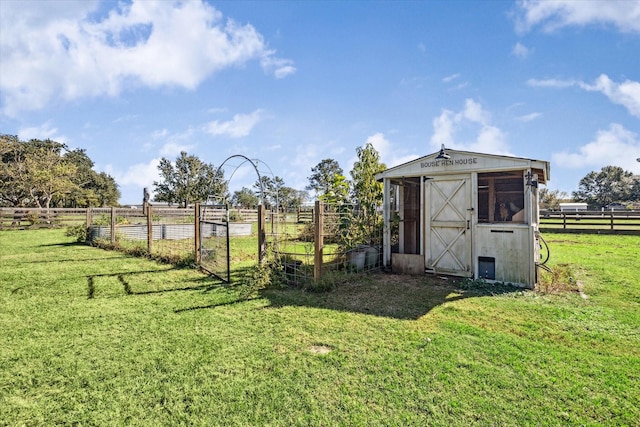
290, 83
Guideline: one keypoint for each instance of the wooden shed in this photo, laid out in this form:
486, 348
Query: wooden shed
465, 214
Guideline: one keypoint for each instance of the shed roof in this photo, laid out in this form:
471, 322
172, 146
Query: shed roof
465, 161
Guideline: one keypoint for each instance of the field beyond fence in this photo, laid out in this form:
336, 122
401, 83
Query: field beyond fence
594, 222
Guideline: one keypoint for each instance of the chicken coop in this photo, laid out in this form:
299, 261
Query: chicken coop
465, 214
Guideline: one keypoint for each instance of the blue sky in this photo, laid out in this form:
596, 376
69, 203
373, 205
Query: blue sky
292, 83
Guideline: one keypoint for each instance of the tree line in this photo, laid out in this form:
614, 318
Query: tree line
598, 190
188, 180
45, 174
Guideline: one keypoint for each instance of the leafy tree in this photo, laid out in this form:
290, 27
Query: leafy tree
93, 188
269, 192
13, 188
49, 174
33, 172
245, 198
106, 190
550, 199
322, 180
338, 193
635, 189
290, 198
367, 192
36, 173
611, 184
189, 180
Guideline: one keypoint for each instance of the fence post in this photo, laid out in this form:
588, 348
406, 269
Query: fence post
149, 229
564, 221
113, 225
611, 220
87, 224
196, 228
261, 233
319, 244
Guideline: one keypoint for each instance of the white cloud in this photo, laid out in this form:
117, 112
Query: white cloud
44, 131
280, 68
520, 50
389, 153
615, 146
474, 112
626, 93
475, 123
141, 174
173, 149
55, 50
450, 78
552, 15
553, 83
529, 117
240, 126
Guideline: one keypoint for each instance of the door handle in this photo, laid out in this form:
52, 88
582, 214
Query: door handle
468, 224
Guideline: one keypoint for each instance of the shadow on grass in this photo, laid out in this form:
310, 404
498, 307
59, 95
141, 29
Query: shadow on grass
204, 283
379, 294
389, 295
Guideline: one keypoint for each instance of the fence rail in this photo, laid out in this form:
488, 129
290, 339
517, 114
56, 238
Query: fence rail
593, 222
20, 218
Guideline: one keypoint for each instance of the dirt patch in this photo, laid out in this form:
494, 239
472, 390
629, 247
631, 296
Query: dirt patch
320, 349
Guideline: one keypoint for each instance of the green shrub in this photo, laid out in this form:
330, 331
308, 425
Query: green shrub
77, 231
560, 278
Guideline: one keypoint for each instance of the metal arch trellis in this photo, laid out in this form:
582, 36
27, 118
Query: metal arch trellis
255, 167
213, 254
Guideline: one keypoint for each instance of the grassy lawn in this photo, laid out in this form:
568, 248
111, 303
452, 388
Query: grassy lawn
94, 337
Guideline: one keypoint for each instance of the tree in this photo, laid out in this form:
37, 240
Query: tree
367, 192
13, 188
550, 199
245, 198
106, 190
611, 184
49, 174
269, 191
322, 179
36, 173
93, 188
189, 180
338, 193
290, 198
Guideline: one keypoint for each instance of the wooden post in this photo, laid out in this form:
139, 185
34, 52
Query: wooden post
319, 244
612, 220
149, 229
113, 225
261, 233
196, 228
564, 221
88, 224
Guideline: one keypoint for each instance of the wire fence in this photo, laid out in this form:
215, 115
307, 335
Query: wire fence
163, 233
308, 243
328, 238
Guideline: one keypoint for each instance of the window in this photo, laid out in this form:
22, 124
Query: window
501, 197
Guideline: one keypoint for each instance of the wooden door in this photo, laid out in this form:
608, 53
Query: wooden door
448, 225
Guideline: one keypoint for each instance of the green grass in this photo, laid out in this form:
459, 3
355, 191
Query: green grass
93, 337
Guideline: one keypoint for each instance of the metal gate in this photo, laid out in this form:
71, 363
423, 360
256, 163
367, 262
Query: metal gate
214, 254
447, 230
